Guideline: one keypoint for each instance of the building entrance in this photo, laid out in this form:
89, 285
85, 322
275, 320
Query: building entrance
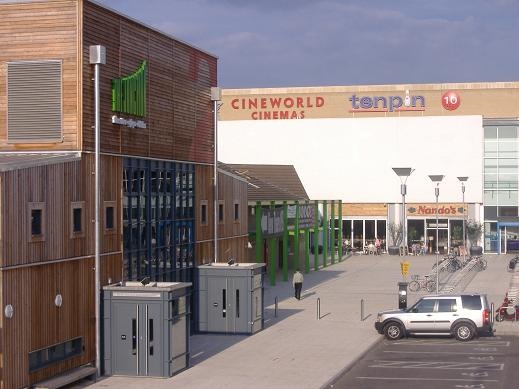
443, 235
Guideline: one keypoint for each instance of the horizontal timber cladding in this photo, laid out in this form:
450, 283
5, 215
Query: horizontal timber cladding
55, 188
38, 323
368, 209
42, 31
232, 190
179, 119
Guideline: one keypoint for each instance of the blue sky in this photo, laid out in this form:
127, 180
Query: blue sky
282, 43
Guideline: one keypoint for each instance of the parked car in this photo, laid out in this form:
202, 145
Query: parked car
461, 316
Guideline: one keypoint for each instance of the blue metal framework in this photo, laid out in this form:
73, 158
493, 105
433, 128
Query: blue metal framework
158, 220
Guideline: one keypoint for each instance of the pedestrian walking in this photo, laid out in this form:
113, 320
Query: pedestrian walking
297, 280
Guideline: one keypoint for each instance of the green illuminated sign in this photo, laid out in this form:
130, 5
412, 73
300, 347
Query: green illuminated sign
129, 93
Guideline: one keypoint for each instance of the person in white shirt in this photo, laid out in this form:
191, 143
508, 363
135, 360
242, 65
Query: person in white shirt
297, 281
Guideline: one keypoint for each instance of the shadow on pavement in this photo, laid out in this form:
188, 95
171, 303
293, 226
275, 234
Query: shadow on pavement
204, 346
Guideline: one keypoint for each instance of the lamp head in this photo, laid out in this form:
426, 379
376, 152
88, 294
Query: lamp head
436, 178
463, 179
403, 171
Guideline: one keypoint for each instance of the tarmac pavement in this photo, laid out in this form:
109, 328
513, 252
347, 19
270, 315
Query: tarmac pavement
298, 350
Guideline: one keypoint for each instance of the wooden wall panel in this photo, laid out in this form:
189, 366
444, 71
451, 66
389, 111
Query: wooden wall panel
235, 247
57, 186
232, 235
179, 119
378, 209
42, 31
38, 323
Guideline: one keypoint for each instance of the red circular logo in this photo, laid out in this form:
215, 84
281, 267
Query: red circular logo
451, 100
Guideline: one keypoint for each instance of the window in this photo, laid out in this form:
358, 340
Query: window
110, 216
236, 211
424, 306
37, 221
56, 353
447, 305
471, 302
203, 212
77, 220
220, 212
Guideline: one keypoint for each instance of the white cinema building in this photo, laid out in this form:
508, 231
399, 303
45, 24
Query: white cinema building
345, 141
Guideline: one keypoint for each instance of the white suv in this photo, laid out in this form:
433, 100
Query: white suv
461, 316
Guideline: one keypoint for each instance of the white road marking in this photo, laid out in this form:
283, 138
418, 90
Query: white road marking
424, 379
442, 352
438, 365
498, 343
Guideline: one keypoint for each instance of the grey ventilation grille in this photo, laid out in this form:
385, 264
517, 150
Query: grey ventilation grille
34, 102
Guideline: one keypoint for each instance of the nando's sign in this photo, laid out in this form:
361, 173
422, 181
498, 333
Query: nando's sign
430, 210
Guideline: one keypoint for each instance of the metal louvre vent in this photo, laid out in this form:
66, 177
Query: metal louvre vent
34, 102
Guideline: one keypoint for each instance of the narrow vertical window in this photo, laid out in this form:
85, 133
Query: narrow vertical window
77, 219
220, 212
203, 212
110, 216
237, 303
236, 211
36, 222
134, 336
224, 302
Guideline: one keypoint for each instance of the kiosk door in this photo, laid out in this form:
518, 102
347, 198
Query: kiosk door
137, 346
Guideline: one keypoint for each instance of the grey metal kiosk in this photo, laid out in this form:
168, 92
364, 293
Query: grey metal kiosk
146, 328
230, 298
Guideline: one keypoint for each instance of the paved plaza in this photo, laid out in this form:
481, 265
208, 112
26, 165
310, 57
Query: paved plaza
296, 350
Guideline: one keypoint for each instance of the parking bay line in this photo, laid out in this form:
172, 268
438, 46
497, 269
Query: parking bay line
444, 352
437, 365
498, 343
426, 379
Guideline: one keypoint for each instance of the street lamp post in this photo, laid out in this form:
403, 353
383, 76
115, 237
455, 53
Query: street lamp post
437, 179
463, 180
97, 57
403, 173
216, 96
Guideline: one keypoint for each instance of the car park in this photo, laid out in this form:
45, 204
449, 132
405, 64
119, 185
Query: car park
462, 316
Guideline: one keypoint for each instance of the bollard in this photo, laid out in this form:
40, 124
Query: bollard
492, 317
318, 308
361, 309
276, 306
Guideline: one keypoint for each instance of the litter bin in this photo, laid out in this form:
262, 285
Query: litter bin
402, 295
146, 328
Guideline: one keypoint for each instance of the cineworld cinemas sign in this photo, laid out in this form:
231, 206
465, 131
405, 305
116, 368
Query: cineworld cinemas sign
277, 108
395, 103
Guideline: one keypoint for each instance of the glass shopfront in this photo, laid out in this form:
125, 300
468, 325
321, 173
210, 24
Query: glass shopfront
501, 184
361, 232
423, 232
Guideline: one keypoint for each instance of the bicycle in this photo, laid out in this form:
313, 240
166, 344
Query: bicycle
422, 283
481, 263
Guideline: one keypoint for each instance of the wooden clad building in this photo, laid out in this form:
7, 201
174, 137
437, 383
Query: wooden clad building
156, 174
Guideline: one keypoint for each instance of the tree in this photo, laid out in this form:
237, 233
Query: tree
474, 230
396, 232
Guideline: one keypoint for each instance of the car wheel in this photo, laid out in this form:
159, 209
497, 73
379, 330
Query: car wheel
499, 317
393, 331
464, 332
